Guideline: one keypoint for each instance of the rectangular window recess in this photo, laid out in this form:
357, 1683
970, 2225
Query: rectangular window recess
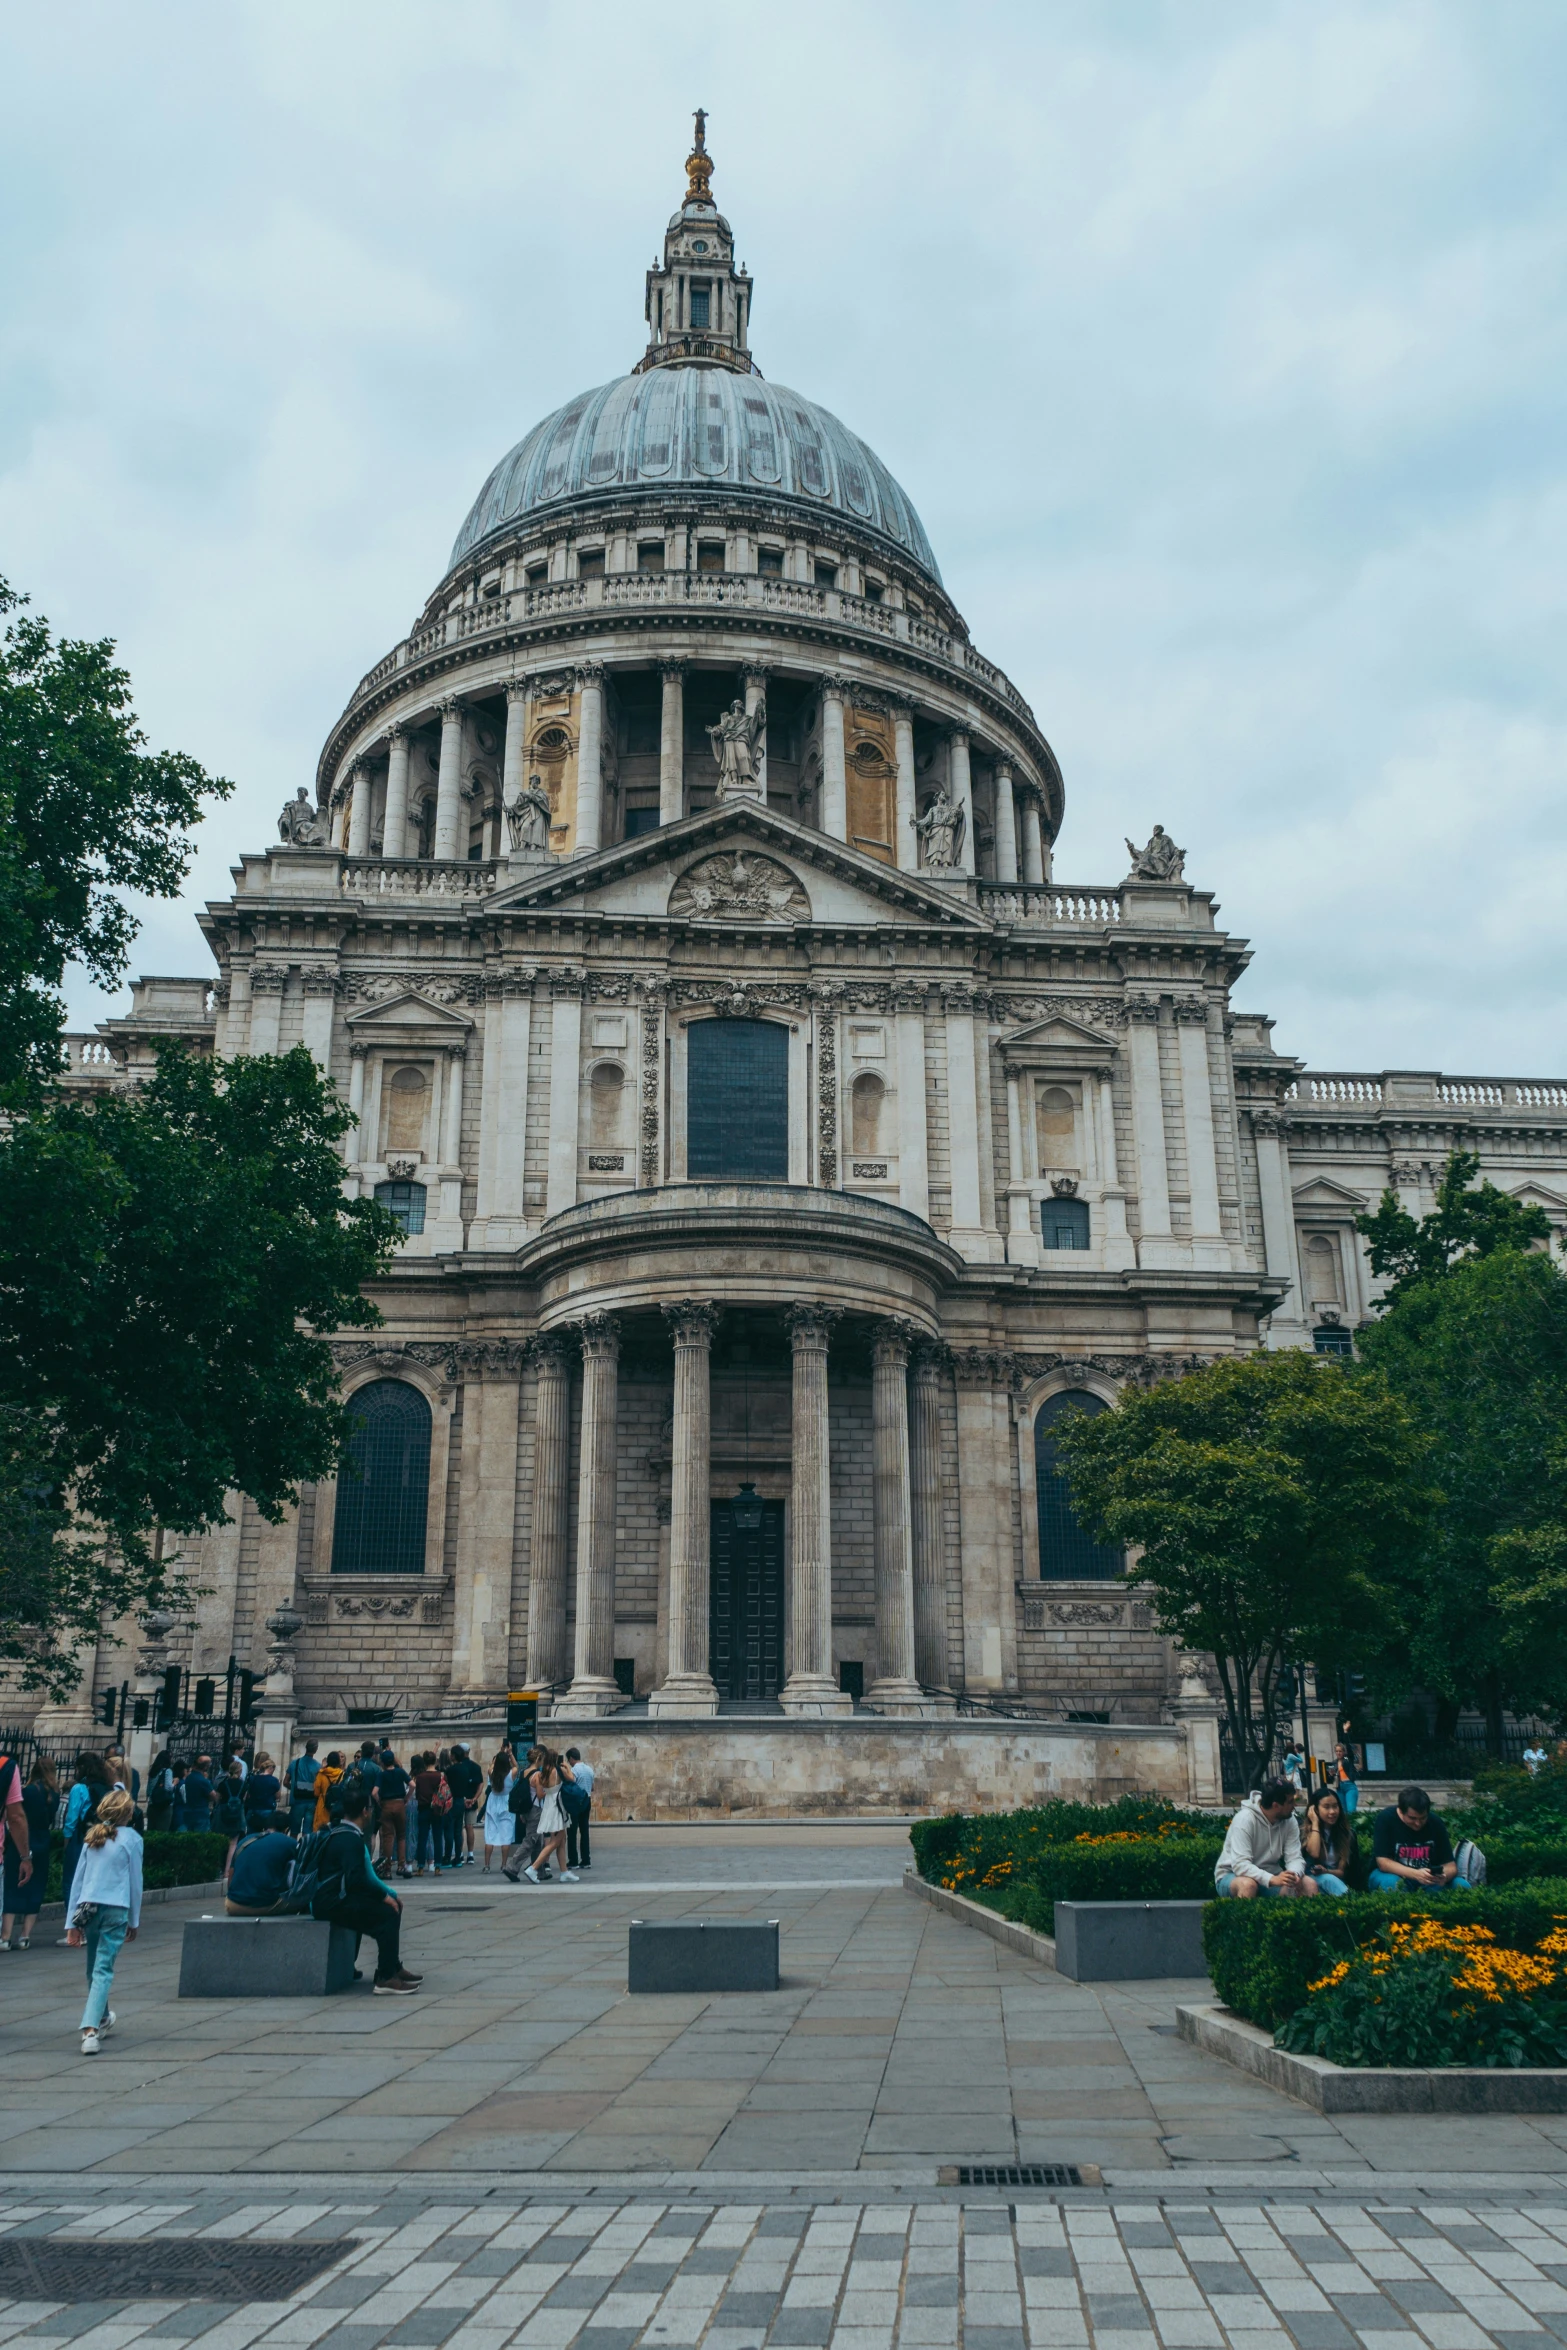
1017, 2174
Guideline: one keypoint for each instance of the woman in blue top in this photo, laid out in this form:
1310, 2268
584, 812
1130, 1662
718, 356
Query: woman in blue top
107, 1898
92, 1784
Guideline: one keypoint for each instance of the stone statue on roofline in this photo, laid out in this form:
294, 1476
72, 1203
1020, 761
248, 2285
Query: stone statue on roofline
1161, 860
302, 824
941, 829
734, 740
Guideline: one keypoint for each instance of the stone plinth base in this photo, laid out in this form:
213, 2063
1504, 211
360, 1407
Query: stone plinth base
1129, 1941
264, 1958
1337, 2088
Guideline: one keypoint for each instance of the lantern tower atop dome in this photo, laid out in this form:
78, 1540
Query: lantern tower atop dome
698, 306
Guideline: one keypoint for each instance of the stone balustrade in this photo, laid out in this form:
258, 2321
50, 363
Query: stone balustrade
1008, 901
416, 877
1412, 1090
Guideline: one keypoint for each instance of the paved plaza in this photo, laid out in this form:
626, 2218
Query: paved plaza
526, 2155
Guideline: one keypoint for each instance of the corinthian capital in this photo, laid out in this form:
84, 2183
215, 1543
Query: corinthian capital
810, 1326
600, 1335
692, 1321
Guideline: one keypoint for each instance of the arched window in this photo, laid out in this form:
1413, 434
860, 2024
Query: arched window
865, 1126
383, 1488
606, 1092
737, 1100
1322, 1271
1065, 1223
1056, 1113
1331, 1338
406, 1201
1067, 1554
407, 1098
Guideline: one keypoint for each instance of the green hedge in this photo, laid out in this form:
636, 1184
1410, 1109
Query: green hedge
1034, 1860
988, 1837
166, 1860
1263, 1954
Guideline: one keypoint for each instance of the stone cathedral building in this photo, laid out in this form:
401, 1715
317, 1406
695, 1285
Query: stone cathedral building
781, 1145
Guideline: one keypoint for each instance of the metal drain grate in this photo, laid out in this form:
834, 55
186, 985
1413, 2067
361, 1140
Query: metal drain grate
160, 2268
1018, 2174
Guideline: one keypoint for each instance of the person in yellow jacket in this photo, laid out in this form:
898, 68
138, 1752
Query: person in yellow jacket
326, 1779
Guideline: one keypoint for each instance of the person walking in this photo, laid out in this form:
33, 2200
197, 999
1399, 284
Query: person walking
466, 1781
17, 1859
27, 1867
551, 1832
393, 1814
80, 1804
262, 1791
447, 1815
160, 1793
199, 1792
427, 1782
106, 1907
578, 1823
228, 1817
302, 1774
354, 1896
499, 1825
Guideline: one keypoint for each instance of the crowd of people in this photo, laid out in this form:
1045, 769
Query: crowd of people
1271, 1849
325, 1839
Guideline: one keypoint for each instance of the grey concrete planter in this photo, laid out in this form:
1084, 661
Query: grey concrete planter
1336, 2088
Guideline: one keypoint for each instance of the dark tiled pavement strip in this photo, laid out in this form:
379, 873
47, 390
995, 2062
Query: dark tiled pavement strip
530, 2156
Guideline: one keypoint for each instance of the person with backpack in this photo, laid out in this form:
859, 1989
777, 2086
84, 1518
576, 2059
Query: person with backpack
105, 1910
466, 1781
326, 1781
199, 1792
392, 1814
579, 1811
1412, 1852
228, 1817
349, 1893
91, 1785
160, 1793
427, 1787
301, 1781
262, 1790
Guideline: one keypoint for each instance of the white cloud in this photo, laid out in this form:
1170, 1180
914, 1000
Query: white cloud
1221, 350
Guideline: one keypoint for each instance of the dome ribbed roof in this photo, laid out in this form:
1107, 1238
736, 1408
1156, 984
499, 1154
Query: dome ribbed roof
677, 429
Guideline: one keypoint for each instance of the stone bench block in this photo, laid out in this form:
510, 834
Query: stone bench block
1118, 1941
264, 1958
711, 1954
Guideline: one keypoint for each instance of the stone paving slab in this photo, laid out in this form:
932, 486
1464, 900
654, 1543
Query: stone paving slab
471, 2265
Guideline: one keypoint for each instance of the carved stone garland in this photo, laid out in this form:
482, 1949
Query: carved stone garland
827, 1097
652, 1067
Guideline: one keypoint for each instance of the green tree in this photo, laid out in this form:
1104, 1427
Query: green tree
1273, 1497
1478, 1354
1469, 1220
86, 812
170, 1262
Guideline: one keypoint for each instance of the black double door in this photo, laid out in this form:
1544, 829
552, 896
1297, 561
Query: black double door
746, 1602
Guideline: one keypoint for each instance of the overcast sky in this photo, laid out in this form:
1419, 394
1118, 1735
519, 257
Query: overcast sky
1220, 346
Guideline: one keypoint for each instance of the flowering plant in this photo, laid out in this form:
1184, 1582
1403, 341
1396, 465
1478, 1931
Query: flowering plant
1426, 1993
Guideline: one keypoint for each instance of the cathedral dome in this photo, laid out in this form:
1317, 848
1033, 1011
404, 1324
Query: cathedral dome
678, 430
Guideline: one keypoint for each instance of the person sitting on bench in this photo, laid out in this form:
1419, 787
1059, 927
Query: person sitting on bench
364, 1906
258, 1878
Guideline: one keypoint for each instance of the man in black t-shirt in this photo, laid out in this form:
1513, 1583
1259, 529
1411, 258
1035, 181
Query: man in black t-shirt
1411, 1851
392, 1814
465, 1779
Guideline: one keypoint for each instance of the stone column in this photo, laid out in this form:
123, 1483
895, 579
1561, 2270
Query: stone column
481, 1597
394, 826
904, 834
960, 787
689, 1688
835, 789
514, 759
353, 1140
930, 1580
565, 1089
894, 1690
967, 1234
1033, 840
1269, 1131
590, 759
547, 1660
593, 1689
672, 745
508, 1033
448, 787
1119, 1253
1202, 1164
755, 691
359, 812
987, 1547
810, 1688
451, 1119
1006, 825
913, 1131
1153, 1175
1023, 1239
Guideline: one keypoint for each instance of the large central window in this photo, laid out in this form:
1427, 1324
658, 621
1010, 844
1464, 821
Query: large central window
383, 1492
737, 1100
1068, 1552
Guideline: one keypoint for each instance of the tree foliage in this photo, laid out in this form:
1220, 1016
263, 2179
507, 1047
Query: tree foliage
170, 1262
1469, 1220
1478, 1354
1274, 1498
86, 813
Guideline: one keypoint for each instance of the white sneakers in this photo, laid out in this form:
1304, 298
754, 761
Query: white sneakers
90, 2044
94, 2038
568, 1876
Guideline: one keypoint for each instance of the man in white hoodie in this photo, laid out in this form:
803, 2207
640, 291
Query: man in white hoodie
1262, 1851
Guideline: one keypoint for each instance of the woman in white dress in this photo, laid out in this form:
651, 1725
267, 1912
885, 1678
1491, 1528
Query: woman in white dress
499, 1824
550, 1834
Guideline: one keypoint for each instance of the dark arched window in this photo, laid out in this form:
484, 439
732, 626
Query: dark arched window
406, 1201
737, 1100
1067, 1554
383, 1488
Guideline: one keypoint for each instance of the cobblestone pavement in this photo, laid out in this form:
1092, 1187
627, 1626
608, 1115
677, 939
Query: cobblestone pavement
485, 2270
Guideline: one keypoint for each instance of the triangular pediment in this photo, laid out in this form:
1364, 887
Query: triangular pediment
1323, 1192
405, 1010
1539, 1195
1056, 1033
791, 876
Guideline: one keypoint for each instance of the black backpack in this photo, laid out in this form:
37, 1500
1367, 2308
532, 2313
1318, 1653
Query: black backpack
312, 1887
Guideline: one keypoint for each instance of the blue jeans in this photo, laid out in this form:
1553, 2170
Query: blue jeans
426, 1830
1326, 1882
1384, 1881
1349, 1795
106, 1930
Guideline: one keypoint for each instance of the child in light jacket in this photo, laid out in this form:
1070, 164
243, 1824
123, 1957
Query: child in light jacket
105, 1907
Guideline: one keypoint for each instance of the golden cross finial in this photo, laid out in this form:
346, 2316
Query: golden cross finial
699, 168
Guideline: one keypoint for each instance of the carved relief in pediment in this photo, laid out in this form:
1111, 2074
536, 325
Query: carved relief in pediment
739, 888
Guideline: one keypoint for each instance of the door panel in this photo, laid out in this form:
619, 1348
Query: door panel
746, 1588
